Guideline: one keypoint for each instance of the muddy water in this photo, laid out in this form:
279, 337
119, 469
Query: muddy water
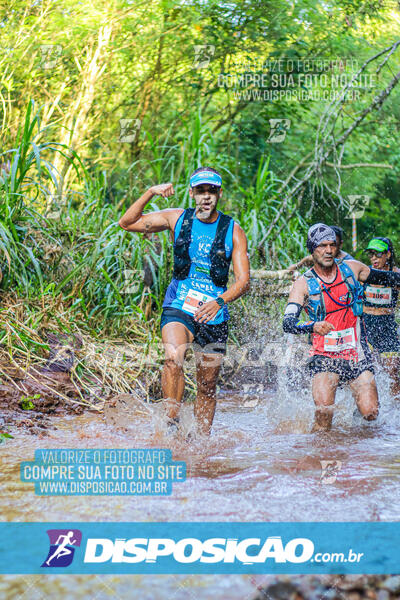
260, 464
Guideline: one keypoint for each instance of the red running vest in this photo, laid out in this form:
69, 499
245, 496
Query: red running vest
344, 341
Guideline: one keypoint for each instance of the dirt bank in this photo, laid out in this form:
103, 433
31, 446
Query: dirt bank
330, 587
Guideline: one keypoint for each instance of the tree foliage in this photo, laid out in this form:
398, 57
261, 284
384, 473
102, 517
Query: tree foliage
192, 81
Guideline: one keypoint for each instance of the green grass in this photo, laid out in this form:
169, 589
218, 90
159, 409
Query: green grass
75, 270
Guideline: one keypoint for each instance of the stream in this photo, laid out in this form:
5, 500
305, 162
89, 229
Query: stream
261, 463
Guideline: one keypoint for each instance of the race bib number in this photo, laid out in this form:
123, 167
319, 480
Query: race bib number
336, 341
378, 296
194, 300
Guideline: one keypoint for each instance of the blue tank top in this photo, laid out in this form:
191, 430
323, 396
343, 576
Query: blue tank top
184, 294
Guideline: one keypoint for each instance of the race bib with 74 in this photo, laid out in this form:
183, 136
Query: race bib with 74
336, 341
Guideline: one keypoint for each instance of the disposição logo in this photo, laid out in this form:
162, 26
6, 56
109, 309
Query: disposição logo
62, 547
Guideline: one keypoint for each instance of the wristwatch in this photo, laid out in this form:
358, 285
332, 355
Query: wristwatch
220, 301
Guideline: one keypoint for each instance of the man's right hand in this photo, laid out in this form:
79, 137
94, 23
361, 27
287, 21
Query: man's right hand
322, 327
164, 189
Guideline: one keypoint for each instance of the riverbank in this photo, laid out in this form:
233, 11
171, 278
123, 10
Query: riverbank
53, 363
331, 587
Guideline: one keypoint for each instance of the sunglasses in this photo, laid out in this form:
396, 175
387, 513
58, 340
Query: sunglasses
375, 253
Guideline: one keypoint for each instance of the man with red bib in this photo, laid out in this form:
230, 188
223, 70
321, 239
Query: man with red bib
332, 295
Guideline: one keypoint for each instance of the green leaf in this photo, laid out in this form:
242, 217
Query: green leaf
27, 404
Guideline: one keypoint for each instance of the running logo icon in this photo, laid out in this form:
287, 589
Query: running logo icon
330, 470
357, 206
62, 547
279, 129
203, 54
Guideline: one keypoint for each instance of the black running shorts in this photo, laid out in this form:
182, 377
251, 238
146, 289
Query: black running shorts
348, 370
209, 339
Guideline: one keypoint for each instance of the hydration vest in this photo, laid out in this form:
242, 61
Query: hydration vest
316, 307
219, 262
345, 257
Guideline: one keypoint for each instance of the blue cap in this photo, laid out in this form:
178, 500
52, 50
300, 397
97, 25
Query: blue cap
205, 177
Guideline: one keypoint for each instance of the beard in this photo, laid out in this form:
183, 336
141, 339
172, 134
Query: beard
324, 261
206, 212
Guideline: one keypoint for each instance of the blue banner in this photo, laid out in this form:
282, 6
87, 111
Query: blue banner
276, 548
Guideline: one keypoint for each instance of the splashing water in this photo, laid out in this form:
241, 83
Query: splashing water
261, 463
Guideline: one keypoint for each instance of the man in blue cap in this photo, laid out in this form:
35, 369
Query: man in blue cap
194, 310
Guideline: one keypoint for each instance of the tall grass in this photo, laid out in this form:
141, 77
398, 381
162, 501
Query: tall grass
112, 282
69, 268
